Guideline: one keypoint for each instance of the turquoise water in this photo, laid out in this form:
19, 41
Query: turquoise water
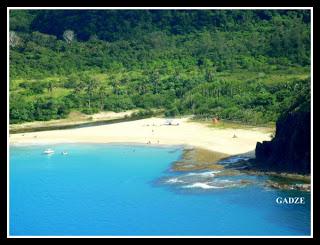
130, 190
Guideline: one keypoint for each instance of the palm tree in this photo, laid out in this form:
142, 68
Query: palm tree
116, 87
50, 87
91, 86
102, 93
155, 81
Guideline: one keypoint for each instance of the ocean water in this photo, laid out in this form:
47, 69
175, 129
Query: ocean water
102, 189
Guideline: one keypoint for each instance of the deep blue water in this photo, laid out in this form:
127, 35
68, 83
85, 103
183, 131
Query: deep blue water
129, 190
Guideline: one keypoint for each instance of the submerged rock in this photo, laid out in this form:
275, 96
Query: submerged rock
229, 172
199, 159
283, 186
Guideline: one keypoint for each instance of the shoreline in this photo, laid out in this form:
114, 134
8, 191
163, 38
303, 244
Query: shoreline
43, 143
189, 161
155, 132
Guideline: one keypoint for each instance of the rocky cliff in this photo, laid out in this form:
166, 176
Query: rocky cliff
290, 149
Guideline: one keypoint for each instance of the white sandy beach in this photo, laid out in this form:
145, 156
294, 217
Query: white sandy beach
153, 131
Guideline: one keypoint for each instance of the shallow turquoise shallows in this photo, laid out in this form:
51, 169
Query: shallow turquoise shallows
101, 189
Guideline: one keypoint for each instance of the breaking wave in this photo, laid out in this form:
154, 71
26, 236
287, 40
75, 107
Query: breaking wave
204, 174
234, 159
202, 186
174, 180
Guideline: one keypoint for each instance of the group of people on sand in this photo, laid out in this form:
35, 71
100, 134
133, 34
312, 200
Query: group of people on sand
149, 142
166, 123
152, 131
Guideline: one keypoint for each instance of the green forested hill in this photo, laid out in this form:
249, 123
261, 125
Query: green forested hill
245, 65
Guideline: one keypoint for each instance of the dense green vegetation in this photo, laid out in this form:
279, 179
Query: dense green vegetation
244, 65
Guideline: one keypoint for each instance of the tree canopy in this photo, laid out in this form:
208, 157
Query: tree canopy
244, 65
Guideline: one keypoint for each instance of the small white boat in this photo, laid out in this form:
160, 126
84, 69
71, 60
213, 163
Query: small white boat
48, 151
64, 153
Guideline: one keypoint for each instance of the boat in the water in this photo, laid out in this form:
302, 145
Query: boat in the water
64, 153
48, 151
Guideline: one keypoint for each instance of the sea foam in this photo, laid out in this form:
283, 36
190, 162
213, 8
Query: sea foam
202, 186
174, 180
234, 159
204, 174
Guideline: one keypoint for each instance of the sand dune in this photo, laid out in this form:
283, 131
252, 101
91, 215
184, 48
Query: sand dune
153, 131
